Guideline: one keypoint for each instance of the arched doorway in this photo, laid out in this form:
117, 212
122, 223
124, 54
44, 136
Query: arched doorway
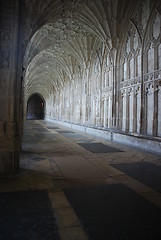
35, 107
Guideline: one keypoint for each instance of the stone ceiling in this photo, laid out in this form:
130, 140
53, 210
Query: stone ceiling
64, 36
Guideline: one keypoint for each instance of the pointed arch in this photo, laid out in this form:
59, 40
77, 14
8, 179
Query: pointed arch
35, 107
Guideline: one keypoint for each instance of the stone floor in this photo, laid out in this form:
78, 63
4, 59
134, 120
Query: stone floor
74, 186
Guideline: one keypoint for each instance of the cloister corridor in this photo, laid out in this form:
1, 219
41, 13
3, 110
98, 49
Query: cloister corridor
74, 186
80, 119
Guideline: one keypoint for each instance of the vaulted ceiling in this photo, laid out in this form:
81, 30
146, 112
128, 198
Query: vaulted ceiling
63, 37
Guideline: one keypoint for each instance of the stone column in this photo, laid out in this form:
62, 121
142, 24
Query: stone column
159, 110
125, 117
131, 110
135, 110
149, 108
155, 110
102, 111
105, 111
94, 109
10, 85
110, 110
114, 85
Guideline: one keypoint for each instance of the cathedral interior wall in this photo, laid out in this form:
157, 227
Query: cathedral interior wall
120, 94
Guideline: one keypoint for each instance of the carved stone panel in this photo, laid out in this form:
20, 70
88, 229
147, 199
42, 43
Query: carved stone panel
150, 110
159, 111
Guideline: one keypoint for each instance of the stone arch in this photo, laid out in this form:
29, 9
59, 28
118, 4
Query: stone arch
35, 107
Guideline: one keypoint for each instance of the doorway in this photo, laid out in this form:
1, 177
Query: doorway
35, 107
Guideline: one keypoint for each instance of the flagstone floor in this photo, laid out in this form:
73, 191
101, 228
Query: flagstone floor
74, 186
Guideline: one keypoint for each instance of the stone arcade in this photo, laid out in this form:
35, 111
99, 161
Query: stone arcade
96, 65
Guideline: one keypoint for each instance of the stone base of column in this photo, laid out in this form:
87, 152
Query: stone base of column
9, 163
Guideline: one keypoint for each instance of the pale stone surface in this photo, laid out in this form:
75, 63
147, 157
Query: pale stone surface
138, 141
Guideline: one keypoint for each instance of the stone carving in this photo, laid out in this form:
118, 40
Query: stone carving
5, 45
4, 59
5, 36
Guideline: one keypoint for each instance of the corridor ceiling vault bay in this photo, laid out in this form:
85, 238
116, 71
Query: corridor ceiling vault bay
96, 64
93, 61
72, 37
73, 43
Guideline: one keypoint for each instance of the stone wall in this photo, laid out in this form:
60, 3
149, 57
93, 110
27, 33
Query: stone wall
120, 88
141, 79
